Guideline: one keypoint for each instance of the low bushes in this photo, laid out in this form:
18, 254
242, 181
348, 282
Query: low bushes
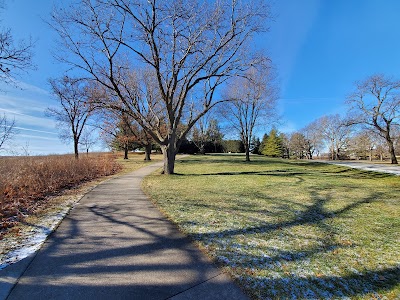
26, 182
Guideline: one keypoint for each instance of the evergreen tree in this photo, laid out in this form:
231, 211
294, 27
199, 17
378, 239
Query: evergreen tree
263, 143
273, 146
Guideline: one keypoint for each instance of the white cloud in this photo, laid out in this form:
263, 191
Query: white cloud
27, 105
35, 137
28, 129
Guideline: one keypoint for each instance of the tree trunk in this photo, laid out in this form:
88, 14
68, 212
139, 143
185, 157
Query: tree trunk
76, 149
147, 151
391, 151
169, 154
202, 149
126, 151
247, 151
247, 154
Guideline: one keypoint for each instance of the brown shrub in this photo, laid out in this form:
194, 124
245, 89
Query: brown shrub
26, 182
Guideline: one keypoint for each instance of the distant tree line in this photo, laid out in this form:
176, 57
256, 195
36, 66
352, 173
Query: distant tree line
333, 134
370, 129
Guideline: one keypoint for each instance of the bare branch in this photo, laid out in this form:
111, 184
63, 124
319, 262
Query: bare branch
183, 45
376, 103
14, 58
7, 130
74, 108
253, 102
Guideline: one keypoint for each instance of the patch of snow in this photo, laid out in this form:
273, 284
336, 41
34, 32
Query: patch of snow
37, 236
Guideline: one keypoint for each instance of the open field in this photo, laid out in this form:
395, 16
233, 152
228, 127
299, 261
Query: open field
135, 161
289, 229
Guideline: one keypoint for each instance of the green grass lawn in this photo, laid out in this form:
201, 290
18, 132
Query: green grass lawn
135, 161
289, 229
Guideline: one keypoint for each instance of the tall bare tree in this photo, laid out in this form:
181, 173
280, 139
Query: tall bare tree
74, 108
190, 47
205, 133
14, 57
7, 130
88, 139
362, 144
298, 145
199, 133
376, 103
335, 131
253, 102
314, 139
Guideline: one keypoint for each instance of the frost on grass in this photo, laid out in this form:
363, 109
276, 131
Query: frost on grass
270, 268
315, 235
32, 235
31, 244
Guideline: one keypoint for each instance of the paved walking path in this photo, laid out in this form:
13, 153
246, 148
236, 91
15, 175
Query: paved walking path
116, 245
384, 168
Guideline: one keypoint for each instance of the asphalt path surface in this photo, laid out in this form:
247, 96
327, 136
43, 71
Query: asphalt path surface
115, 244
383, 168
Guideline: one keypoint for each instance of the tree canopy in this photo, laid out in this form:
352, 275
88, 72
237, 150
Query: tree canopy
375, 102
160, 61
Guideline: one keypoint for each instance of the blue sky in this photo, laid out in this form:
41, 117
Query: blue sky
319, 47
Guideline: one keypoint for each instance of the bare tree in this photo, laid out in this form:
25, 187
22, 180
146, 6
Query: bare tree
285, 138
7, 130
314, 139
14, 57
376, 103
362, 145
253, 101
75, 108
335, 131
205, 133
298, 145
199, 133
189, 47
87, 139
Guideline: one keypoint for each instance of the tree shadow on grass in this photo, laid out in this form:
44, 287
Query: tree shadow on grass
279, 173
370, 282
312, 214
351, 282
354, 283
296, 167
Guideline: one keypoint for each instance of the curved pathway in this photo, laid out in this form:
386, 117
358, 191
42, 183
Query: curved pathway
116, 245
384, 168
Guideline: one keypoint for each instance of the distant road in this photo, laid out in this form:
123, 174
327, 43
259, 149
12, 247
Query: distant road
393, 169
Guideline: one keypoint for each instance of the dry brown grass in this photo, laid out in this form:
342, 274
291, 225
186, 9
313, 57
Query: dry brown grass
27, 182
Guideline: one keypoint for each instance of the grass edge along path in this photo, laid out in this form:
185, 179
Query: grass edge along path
289, 229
